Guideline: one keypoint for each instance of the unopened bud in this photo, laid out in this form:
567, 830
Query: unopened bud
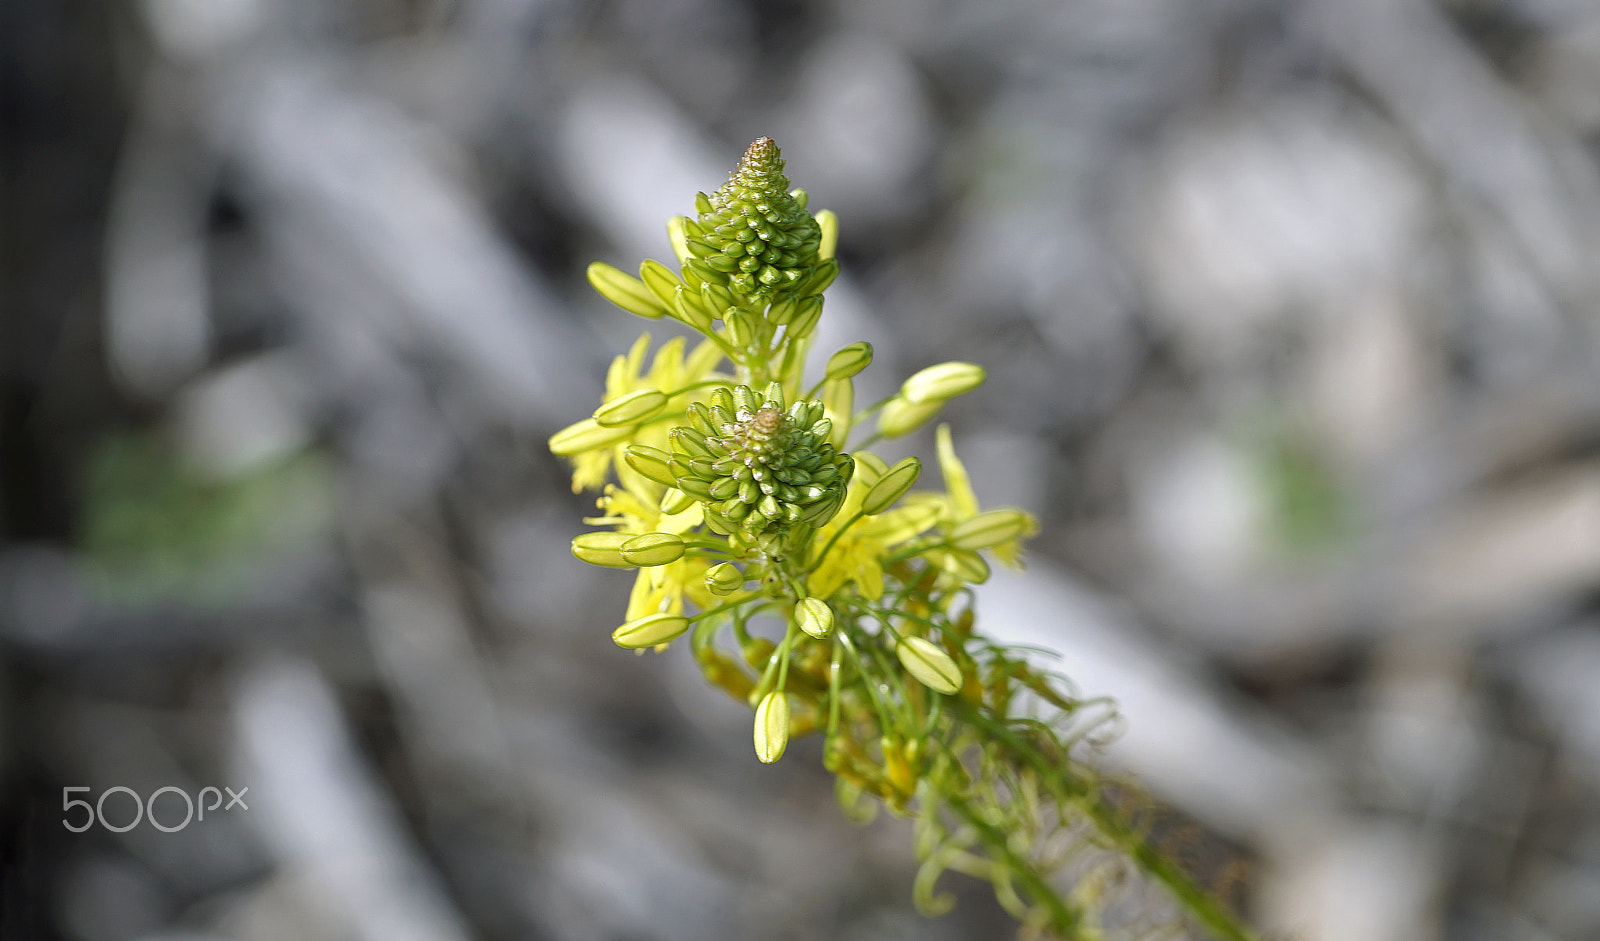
942, 383
653, 549
814, 617
624, 290
850, 360
891, 486
990, 529
931, 666
650, 630
772, 726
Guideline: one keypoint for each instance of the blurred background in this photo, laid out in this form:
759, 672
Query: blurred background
1289, 311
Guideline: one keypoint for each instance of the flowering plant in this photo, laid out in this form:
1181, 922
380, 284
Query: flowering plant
814, 583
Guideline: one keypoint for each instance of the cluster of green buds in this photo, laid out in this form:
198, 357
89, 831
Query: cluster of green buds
753, 236
761, 469
807, 576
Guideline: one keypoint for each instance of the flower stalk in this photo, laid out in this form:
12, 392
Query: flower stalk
820, 585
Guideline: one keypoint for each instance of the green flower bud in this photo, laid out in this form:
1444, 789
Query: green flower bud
849, 361
931, 666
586, 435
964, 564
990, 529
814, 617
678, 236
839, 398
660, 280
942, 383
675, 501
650, 630
828, 225
872, 467
603, 548
634, 408
653, 549
624, 290
806, 315
891, 486
756, 238
653, 463
772, 726
724, 579
901, 417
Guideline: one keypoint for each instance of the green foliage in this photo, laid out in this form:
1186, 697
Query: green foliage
153, 527
816, 583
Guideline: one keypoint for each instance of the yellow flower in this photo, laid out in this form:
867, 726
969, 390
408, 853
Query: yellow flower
960, 503
595, 448
635, 507
857, 555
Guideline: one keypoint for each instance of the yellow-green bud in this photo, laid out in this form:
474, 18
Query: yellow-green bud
838, 399
637, 406
653, 549
624, 290
660, 280
724, 579
675, 501
586, 435
653, 463
679, 240
603, 548
931, 666
901, 416
828, 223
961, 563
650, 630
872, 467
772, 726
814, 617
850, 360
990, 529
891, 486
806, 315
942, 383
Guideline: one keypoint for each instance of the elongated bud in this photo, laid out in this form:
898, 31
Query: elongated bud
814, 617
850, 360
602, 549
838, 400
942, 383
663, 284
675, 501
872, 467
806, 315
651, 462
990, 529
678, 237
828, 226
624, 290
650, 630
653, 549
901, 416
964, 564
772, 726
635, 407
724, 579
696, 313
891, 486
586, 435
931, 666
